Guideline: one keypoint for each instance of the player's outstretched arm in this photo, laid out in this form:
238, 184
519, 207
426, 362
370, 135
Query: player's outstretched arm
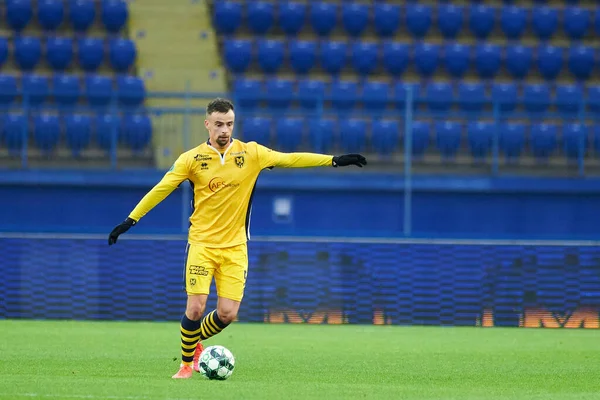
270, 158
173, 178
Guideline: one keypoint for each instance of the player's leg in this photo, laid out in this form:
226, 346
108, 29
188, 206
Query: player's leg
198, 276
230, 279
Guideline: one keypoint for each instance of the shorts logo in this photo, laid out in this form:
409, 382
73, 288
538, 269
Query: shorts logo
197, 270
192, 281
239, 161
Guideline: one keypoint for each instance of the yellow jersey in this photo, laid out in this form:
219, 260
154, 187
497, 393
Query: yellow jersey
223, 186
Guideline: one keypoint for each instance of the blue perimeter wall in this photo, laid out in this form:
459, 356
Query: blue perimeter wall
332, 204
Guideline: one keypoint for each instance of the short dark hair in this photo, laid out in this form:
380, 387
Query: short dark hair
219, 105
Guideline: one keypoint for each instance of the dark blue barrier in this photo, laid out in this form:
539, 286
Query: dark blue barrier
325, 203
409, 283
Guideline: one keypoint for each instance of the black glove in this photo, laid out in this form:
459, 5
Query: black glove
119, 229
349, 159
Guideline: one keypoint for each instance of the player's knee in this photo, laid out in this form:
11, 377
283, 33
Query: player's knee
227, 315
195, 311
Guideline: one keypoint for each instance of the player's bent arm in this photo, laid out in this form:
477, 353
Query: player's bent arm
172, 179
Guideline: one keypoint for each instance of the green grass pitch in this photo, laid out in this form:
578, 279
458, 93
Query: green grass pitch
135, 361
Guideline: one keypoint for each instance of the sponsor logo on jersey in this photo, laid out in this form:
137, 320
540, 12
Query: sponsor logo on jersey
202, 157
217, 184
204, 166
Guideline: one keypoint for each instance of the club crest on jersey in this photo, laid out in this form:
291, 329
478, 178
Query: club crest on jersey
239, 161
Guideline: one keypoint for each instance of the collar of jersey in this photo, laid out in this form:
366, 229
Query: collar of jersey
221, 156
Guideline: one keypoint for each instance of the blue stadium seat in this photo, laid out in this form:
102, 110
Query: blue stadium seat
18, 14
82, 14
355, 17
333, 56
536, 97
343, 95
36, 87
457, 58
544, 21
46, 131
471, 96
596, 138
227, 16
487, 60
270, 55
593, 97
450, 20
518, 60
237, 54
3, 50
426, 58
395, 57
260, 16
448, 138
78, 131
323, 17
505, 94
50, 13
59, 52
320, 135
257, 129
420, 137
131, 91
108, 131
439, 96
15, 130
543, 140
569, 98
375, 95
303, 55
310, 93
280, 93
513, 21
289, 132
385, 137
65, 89
8, 89
401, 90
418, 19
353, 135
511, 140
114, 15
481, 20
576, 21
98, 90
575, 140
247, 92
291, 17
597, 22
122, 54
27, 51
137, 131
364, 57
480, 136
550, 61
581, 61
386, 19
90, 53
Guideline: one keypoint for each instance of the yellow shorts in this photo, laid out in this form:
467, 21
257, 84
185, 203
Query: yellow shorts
228, 265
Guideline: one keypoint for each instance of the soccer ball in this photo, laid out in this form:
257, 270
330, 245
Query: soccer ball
216, 362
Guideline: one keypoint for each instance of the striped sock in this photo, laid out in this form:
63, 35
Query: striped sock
211, 325
190, 334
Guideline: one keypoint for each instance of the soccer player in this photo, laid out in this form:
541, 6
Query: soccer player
222, 172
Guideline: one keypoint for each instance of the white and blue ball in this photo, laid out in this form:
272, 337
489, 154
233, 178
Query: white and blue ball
216, 362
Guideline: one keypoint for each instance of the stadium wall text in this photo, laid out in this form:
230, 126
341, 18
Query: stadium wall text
403, 283
331, 204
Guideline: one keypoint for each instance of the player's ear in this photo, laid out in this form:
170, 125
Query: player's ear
206, 123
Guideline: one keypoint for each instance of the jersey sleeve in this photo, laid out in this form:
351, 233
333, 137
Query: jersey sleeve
270, 158
178, 173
